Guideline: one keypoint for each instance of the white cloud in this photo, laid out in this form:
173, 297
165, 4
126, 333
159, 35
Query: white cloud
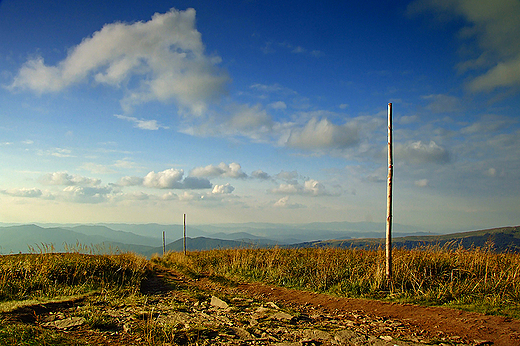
57, 152
169, 196
259, 174
487, 124
63, 178
97, 168
250, 120
495, 27
314, 188
419, 152
142, 124
408, 119
284, 203
287, 189
322, 134
223, 189
310, 187
233, 170
440, 103
163, 180
277, 105
167, 179
421, 183
287, 176
86, 194
28, 193
166, 52
130, 181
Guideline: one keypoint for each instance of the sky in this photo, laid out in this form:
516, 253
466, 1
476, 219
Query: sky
260, 111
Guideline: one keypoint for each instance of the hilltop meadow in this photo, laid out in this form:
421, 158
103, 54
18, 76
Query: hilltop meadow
476, 279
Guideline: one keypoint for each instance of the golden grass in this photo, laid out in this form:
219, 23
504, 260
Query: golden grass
476, 279
29, 276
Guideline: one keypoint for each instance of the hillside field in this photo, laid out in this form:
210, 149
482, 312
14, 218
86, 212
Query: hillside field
126, 299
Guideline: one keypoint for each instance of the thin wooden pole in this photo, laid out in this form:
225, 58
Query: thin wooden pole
184, 234
163, 243
389, 200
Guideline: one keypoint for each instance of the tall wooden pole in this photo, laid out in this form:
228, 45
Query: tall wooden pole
163, 243
184, 235
389, 200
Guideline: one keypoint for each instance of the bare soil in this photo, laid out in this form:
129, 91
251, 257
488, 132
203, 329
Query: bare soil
216, 311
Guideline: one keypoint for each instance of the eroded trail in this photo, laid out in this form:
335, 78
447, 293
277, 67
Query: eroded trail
175, 309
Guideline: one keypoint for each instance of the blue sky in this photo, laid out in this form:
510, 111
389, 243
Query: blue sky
262, 111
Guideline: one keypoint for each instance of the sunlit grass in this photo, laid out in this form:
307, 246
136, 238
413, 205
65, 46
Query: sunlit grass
477, 279
31, 276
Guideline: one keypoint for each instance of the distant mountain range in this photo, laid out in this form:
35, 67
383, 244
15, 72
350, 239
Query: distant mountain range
500, 239
146, 239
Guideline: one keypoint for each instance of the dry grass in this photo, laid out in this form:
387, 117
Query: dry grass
475, 279
64, 274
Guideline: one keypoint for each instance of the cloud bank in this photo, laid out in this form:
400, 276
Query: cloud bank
165, 55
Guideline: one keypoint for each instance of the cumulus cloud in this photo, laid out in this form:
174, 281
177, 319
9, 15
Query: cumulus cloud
287, 176
223, 189
233, 170
322, 134
86, 194
249, 119
63, 178
28, 193
130, 181
163, 180
419, 152
284, 203
166, 53
495, 27
259, 174
167, 179
142, 124
310, 187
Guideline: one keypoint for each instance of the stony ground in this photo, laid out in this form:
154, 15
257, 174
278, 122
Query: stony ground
175, 309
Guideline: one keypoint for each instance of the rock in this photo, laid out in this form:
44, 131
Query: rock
349, 337
66, 323
219, 303
386, 337
482, 342
272, 305
316, 334
282, 316
242, 333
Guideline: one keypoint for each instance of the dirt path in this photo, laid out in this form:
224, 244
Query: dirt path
434, 320
176, 309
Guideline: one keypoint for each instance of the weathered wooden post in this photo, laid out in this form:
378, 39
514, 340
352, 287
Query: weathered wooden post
184, 235
163, 243
389, 201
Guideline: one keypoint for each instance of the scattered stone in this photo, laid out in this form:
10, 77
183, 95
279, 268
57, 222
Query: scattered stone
242, 333
219, 303
349, 337
272, 305
316, 335
282, 316
66, 323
